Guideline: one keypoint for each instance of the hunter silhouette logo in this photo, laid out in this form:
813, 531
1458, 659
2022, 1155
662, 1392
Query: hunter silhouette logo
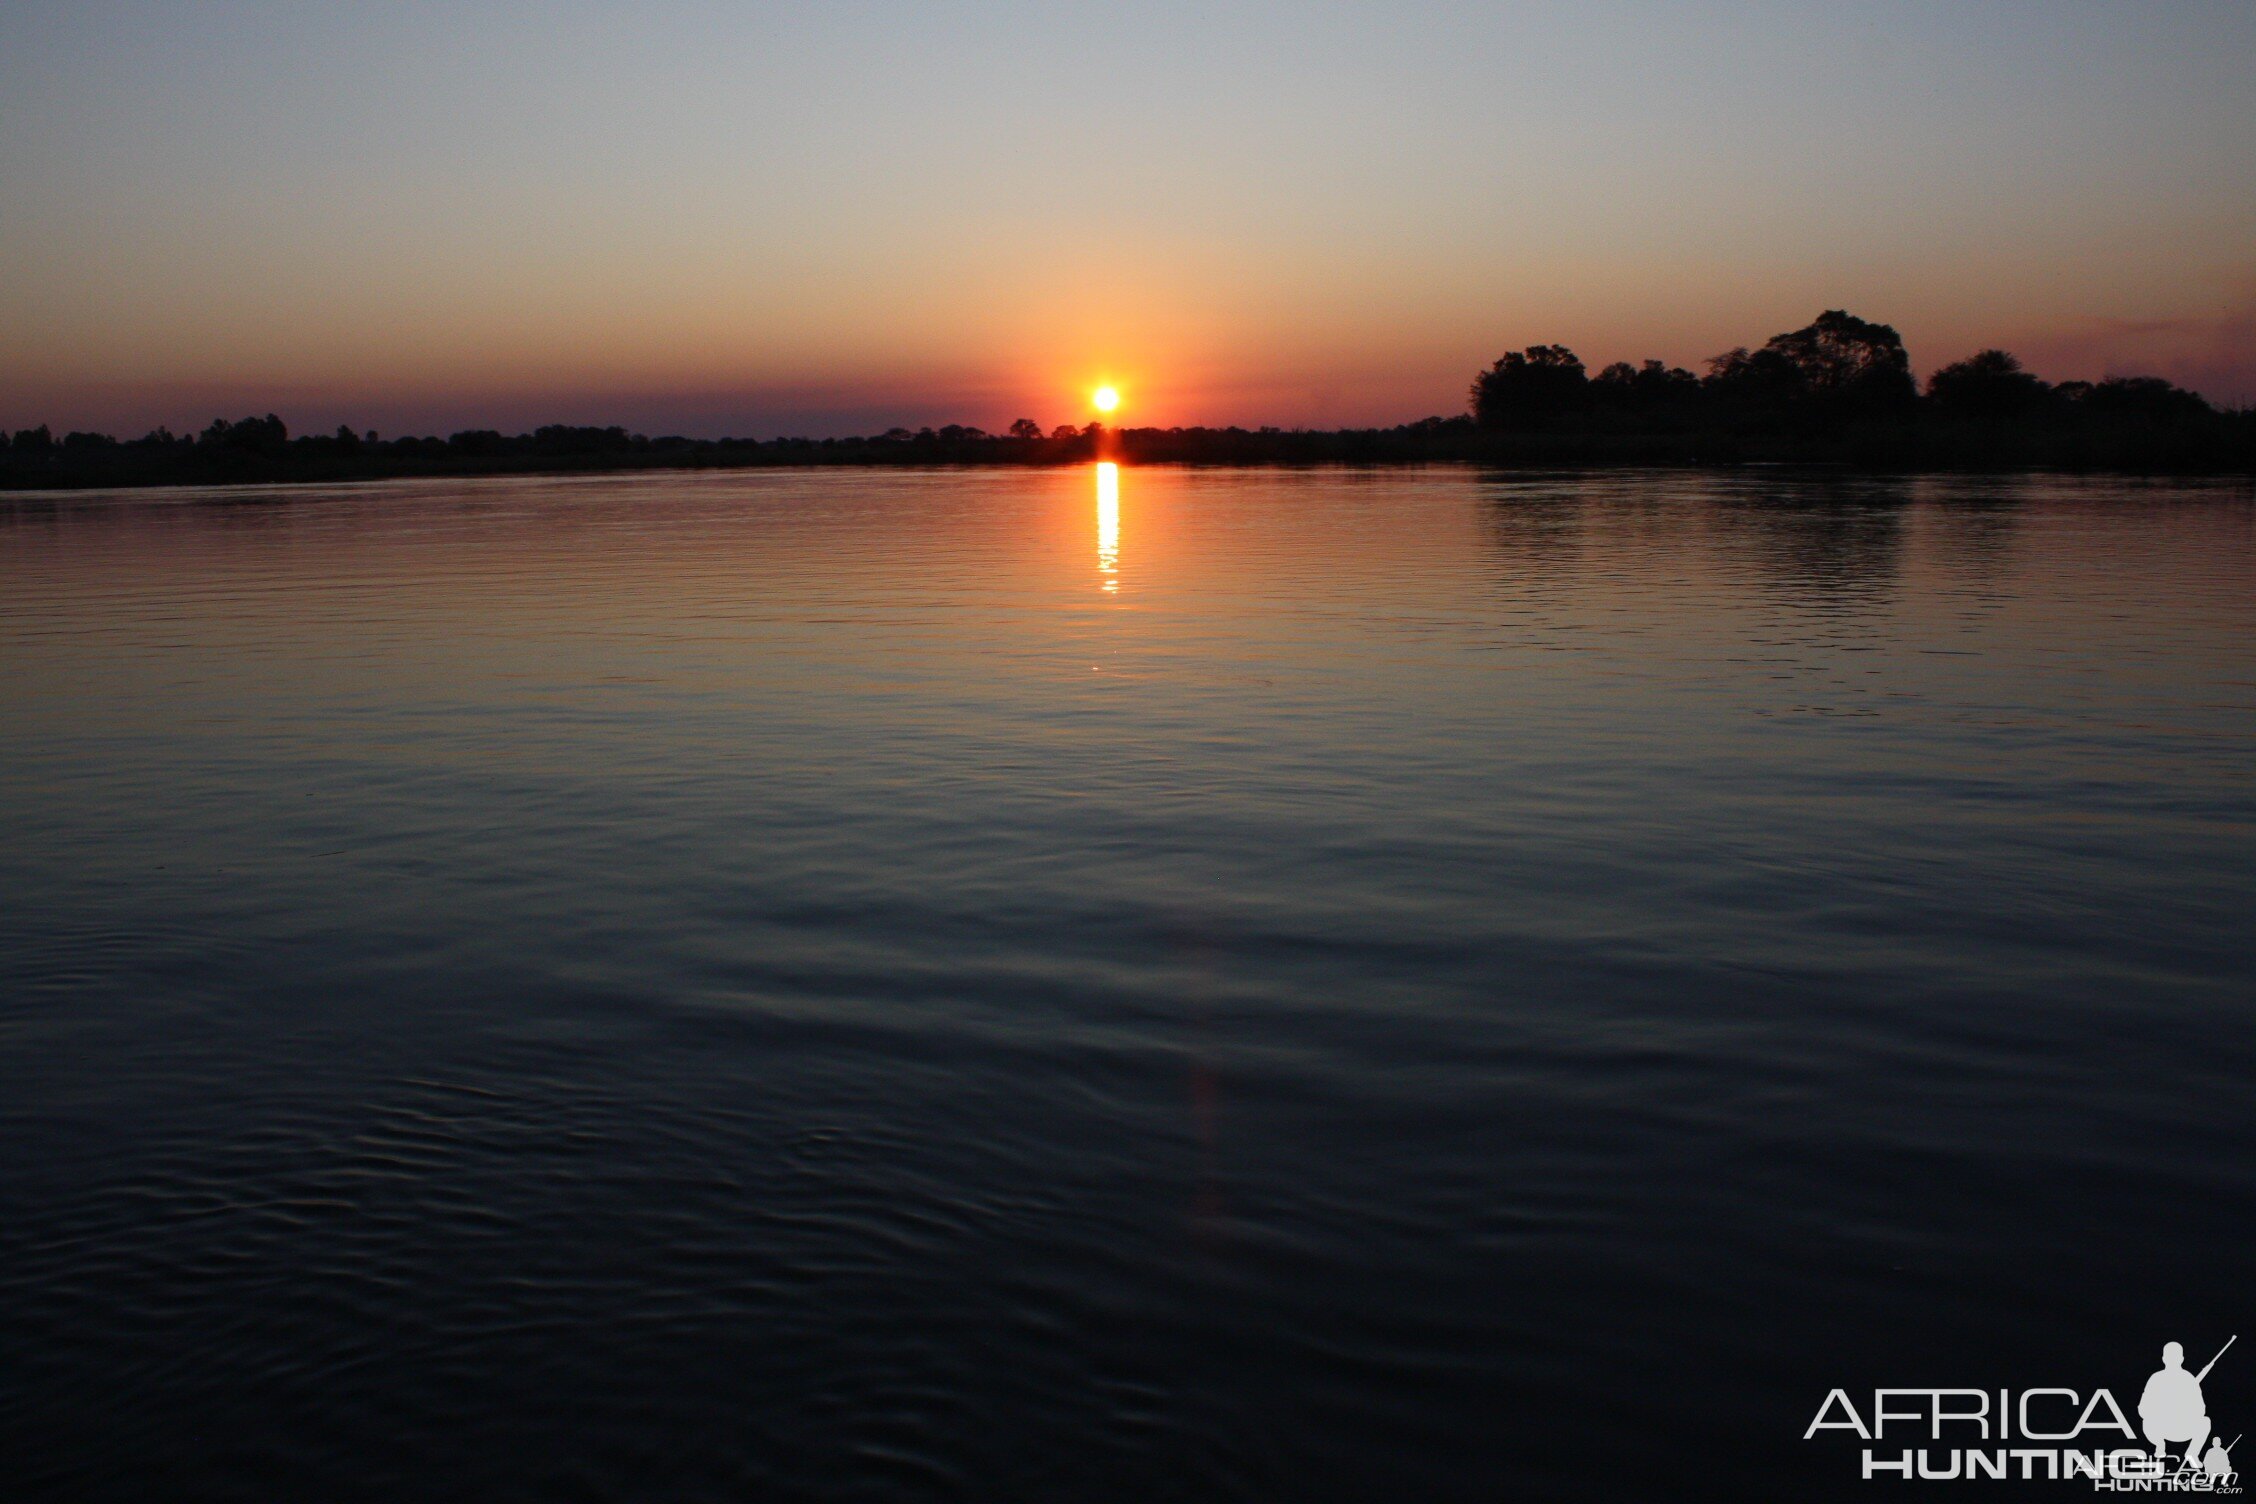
2172, 1409
2048, 1433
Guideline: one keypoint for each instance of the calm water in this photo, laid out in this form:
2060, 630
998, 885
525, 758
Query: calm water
1411, 985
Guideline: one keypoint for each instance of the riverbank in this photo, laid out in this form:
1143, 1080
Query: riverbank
2214, 443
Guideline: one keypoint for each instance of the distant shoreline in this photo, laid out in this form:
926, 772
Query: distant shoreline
1838, 392
2223, 444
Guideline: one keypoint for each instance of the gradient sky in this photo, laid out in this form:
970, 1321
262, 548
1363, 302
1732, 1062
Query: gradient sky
829, 218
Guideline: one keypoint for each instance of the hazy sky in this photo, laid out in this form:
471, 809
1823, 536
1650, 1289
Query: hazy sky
832, 217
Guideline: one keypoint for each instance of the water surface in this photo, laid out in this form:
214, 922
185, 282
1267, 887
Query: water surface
1267, 985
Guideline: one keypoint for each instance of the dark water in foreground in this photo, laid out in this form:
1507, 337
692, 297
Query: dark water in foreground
857, 986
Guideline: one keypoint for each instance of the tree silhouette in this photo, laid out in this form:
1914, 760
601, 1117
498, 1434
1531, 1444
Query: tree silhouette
2143, 399
1529, 388
1990, 386
1026, 428
1836, 364
1839, 355
1647, 386
265, 435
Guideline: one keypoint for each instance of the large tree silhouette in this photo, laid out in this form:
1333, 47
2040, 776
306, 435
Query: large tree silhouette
1836, 360
1529, 388
1989, 386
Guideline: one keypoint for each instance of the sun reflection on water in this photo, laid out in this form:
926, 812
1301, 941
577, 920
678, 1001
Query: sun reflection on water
1108, 525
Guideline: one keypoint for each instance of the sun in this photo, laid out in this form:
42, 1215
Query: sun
1105, 399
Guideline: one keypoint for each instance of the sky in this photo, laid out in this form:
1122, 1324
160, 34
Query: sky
832, 218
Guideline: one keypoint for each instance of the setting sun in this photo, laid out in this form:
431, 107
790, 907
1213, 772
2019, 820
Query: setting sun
1105, 398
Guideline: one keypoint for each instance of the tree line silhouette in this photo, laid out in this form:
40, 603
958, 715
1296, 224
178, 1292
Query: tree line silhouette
1839, 390
1835, 373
